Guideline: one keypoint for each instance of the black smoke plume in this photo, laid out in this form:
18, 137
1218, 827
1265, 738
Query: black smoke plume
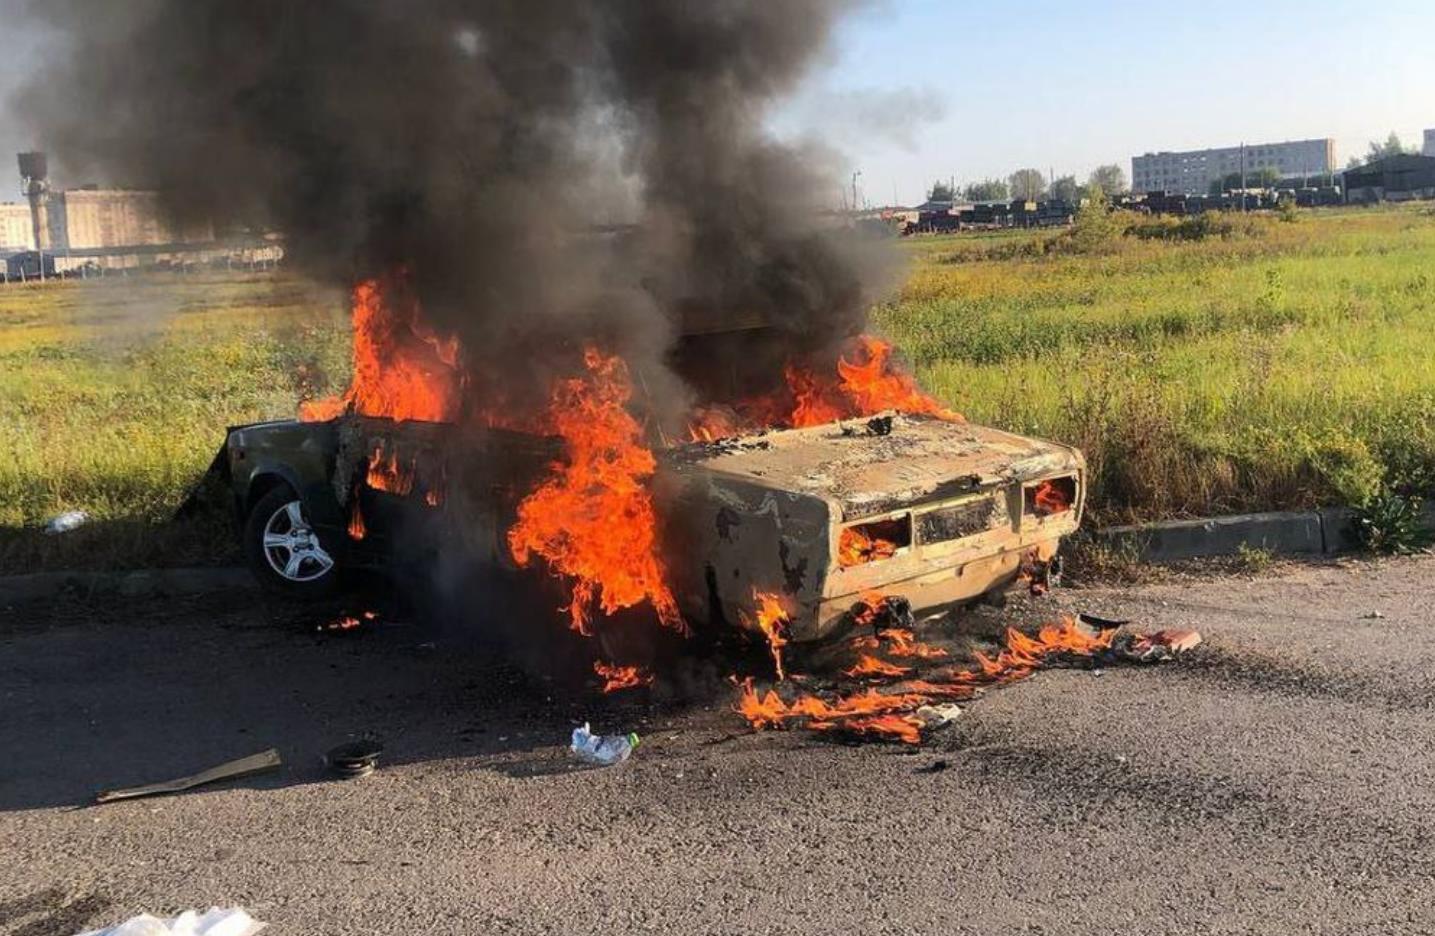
479, 146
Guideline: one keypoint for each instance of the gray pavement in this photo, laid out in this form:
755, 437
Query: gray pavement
1275, 782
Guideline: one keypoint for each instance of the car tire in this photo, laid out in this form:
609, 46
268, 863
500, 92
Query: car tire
283, 551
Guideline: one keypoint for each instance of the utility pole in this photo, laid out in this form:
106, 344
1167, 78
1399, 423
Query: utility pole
1243, 178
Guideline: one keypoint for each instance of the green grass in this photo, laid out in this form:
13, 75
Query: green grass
1278, 365
1284, 365
114, 396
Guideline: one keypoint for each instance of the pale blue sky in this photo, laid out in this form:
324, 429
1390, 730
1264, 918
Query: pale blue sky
919, 89
1069, 85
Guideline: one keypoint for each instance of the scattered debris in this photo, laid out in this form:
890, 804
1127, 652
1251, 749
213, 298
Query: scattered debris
245, 766
1100, 623
1156, 647
598, 749
936, 766
233, 921
940, 715
65, 522
1373, 615
355, 759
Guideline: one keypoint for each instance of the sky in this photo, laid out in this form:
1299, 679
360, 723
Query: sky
918, 90
1067, 86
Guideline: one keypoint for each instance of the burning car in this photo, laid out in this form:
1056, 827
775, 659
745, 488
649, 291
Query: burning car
839, 481
931, 509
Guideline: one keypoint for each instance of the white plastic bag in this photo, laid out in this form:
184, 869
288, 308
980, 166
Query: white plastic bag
233, 921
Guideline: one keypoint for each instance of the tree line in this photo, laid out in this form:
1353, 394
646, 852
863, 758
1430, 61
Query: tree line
1392, 146
1031, 185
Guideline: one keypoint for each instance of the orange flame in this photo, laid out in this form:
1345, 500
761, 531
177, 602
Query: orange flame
1020, 657
357, 529
904, 728
402, 369
814, 399
387, 474
593, 520
621, 677
865, 384
772, 620
904, 644
872, 386
868, 665
347, 622
855, 548
1051, 498
868, 608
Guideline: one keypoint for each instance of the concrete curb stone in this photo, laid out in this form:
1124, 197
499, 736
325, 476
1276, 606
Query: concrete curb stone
39, 586
1327, 531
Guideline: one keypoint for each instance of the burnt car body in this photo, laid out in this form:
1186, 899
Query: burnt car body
955, 510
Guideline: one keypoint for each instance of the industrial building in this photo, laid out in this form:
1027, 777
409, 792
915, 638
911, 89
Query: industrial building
1429, 149
90, 230
1405, 177
88, 218
16, 230
1194, 171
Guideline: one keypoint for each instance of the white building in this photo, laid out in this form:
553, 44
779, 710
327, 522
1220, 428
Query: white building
17, 231
1193, 172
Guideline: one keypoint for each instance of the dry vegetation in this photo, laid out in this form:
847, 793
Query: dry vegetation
1252, 363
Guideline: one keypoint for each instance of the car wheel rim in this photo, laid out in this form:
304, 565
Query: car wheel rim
291, 546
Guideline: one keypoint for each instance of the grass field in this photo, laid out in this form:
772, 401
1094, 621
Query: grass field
114, 395
1277, 365
1283, 365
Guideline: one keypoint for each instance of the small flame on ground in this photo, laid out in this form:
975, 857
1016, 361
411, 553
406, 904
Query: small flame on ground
617, 677
855, 712
772, 619
348, 622
593, 520
868, 665
904, 644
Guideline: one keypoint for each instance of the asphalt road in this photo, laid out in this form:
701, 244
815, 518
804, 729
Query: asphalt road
1277, 781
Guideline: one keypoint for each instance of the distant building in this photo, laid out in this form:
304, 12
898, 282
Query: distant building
90, 231
1405, 177
86, 218
1429, 143
1193, 172
16, 231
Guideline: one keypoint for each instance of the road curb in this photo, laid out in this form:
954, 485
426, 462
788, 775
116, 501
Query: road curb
1328, 531
39, 586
